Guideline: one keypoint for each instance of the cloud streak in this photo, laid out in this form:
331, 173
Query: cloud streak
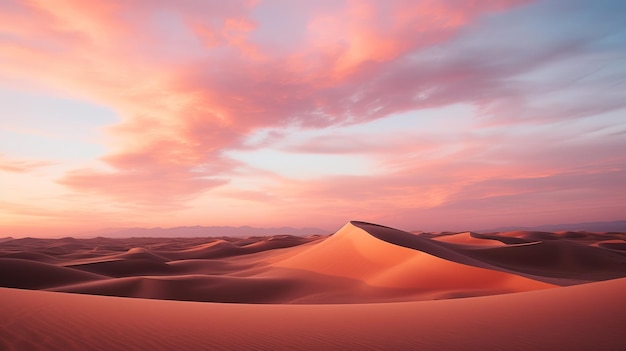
20, 166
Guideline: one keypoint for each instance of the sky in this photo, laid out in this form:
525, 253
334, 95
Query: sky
421, 115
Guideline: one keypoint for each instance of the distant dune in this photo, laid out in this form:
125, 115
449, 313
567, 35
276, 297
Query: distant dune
355, 289
612, 226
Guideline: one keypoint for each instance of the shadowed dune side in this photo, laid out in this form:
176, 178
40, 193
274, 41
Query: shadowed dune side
216, 249
79, 249
190, 288
530, 235
210, 267
433, 247
619, 245
31, 256
561, 262
144, 273
142, 253
126, 268
278, 242
508, 240
527, 236
19, 273
135, 261
556, 259
579, 318
587, 237
278, 286
468, 238
221, 248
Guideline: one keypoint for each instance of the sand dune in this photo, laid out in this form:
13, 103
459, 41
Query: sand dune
361, 263
561, 262
125, 268
357, 254
585, 317
562, 259
468, 238
141, 253
32, 256
190, 288
20, 273
614, 244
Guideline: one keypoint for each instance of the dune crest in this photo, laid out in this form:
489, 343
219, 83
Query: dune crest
468, 238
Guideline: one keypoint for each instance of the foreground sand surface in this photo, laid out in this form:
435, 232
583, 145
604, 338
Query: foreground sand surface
584, 317
365, 287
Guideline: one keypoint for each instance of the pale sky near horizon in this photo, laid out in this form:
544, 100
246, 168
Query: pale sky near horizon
421, 115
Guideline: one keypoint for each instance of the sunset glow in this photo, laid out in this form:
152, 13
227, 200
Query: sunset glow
423, 115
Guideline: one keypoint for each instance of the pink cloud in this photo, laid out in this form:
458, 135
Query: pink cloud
479, 184
20, 166
353, 143
181, 111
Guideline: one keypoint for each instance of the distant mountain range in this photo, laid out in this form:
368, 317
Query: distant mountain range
200, 231
614, 226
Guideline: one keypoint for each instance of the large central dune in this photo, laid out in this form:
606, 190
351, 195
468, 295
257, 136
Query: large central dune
365, 253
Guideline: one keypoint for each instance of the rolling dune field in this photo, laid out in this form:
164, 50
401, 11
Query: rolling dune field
366, 286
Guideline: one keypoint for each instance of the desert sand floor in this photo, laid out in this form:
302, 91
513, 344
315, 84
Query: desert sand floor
584, 317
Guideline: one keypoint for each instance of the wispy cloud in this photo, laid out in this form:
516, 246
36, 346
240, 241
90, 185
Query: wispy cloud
21, 166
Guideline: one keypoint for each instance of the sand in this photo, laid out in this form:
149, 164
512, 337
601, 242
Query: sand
365, 287
584, 317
